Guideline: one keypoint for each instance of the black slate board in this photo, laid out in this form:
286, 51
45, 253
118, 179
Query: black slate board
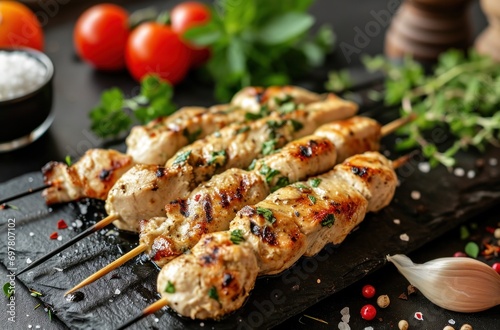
446, 201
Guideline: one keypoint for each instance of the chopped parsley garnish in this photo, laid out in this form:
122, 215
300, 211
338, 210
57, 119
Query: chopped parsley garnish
297, 125
302, 186
328, 221
170, 287
267, 214
182, 157
8, 290
68, 161
312, 199
212, 293
268, 172
191, 137
237, 236
264, 111
274, 124
252, 165
243, 130
282, 182
252, 116
218, 158
315, 182
268, 147
286, 104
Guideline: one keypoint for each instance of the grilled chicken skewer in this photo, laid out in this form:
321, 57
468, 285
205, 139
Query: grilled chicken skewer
212, 205
99, 169
299, 220
143, 190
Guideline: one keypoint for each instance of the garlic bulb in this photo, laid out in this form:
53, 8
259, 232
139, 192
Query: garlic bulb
457, 284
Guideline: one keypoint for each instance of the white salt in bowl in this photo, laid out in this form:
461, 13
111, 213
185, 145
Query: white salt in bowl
25, 96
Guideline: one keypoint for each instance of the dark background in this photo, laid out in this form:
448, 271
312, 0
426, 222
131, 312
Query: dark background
78, 87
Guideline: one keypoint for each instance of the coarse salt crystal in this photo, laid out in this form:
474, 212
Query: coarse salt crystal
157, 320
58, 269
78, 223
202, 324
415, 194
460, 172
117, 291
451, 321
28, 261
397, 221
404, 237
59, 238
344, 311
424, 167
344, 326
471, 174
32, 234
346, 318
493, 161
38, 327
21, 74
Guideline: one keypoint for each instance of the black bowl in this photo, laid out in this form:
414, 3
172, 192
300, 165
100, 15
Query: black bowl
25, 118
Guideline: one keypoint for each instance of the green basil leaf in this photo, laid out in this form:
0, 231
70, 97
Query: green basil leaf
285, 27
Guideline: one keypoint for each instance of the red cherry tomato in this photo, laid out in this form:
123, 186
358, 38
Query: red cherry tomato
19, 26
368, 291
156, 48
100, 36
187, 15
368, 312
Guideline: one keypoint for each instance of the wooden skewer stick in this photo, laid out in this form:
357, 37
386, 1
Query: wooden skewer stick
115, 264
26, 193
153, 308
98, 226
386, 130
396, 124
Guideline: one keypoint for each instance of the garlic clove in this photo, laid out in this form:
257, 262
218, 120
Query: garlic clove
457, 284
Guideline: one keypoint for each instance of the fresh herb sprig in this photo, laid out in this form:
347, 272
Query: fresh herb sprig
260, 42
116, 114
456, 105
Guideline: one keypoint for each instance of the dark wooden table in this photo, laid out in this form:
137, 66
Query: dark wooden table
77, 89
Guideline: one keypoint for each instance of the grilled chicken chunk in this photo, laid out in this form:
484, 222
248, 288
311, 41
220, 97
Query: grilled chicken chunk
212, 205
141, 191
293, 221
234, 146
92, 176
161, 138
214, 280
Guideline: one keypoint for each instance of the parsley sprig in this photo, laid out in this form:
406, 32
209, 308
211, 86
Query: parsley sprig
456, 105
260, 42
116, 113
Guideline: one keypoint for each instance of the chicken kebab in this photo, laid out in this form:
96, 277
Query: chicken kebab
144, 189
98, 169
216, 278
212, 205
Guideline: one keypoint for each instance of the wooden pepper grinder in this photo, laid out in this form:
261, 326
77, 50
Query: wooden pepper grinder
489, 41
426, 28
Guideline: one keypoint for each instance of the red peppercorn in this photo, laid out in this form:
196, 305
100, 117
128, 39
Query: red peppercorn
61, 224
368, 312
368, 291
496, 267
459, 254
54, 235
